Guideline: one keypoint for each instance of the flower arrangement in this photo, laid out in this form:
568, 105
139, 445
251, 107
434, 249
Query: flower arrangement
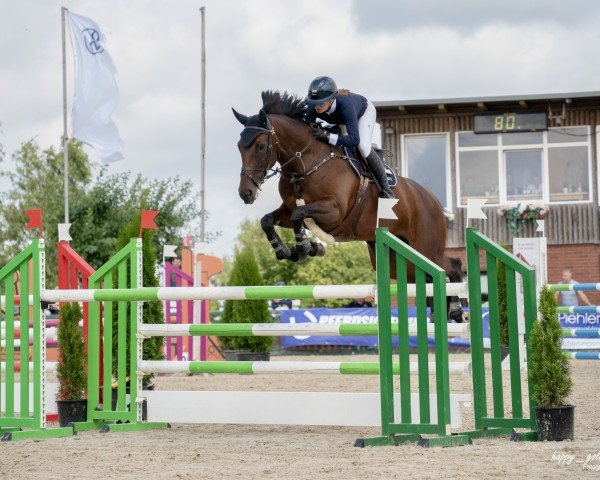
517, 213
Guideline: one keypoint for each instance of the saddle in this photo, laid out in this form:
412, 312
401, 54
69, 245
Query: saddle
347, 229
358, 164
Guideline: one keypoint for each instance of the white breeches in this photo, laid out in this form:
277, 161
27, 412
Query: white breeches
366, 124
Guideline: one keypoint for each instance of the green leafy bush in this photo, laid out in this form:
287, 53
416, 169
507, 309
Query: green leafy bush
549, 369
70, 370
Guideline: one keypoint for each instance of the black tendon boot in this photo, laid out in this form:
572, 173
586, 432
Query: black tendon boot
378, 170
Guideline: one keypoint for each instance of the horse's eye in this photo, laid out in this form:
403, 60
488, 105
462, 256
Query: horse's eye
261, 146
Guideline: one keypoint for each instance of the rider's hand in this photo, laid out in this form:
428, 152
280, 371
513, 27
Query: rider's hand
320, 134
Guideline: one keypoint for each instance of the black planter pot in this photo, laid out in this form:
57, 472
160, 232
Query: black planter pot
555, 423
240, 355
71, 411
230, 355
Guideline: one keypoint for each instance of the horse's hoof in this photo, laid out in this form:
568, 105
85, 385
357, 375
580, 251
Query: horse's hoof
456, 316
294, 257
304, 247
283, 253
317, 250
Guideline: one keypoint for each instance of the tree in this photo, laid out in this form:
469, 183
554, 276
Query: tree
251, 236
37, 182
548, 369
98, 206
343, 263
70, 371
98, 216
245, 273
152, 311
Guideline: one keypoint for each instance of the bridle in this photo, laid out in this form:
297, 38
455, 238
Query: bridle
294, 177
274, 171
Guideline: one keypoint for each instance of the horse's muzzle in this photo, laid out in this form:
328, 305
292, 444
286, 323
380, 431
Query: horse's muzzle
248, 195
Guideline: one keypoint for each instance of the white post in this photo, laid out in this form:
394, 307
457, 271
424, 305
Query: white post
198, 305
532, 251
65, 138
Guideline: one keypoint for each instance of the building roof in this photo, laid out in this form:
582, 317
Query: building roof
521, 102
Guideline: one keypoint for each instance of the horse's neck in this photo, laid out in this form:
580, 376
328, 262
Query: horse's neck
295, 140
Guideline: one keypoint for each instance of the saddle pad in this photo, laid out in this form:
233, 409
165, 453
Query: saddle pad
361, 171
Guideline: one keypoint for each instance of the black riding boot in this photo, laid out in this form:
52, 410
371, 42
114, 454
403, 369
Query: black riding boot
378, 170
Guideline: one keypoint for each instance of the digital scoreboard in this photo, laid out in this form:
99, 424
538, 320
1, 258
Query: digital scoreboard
510, 122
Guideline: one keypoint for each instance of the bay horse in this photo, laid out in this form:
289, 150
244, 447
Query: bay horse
318, 186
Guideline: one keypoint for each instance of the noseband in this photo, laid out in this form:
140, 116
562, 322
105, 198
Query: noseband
274, 171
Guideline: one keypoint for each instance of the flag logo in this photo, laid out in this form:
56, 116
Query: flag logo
93, 41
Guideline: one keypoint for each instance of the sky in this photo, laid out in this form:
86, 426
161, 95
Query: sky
383, 49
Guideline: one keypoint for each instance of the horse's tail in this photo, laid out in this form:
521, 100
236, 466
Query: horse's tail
448, 215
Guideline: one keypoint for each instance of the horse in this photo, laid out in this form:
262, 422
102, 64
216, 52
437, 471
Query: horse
319, 189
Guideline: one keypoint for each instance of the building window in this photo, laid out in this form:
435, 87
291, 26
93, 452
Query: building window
553, 166
479, 175
427, 163
523, 175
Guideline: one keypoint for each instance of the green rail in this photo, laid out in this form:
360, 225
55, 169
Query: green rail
500, 421
18, 421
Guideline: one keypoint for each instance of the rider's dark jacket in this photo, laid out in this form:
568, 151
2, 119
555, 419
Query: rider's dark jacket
349, 108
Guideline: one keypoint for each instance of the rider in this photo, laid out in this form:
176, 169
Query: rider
338, 107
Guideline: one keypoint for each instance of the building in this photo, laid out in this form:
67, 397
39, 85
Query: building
521, 148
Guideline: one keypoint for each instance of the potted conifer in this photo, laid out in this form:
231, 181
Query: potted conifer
72, 379
549, 373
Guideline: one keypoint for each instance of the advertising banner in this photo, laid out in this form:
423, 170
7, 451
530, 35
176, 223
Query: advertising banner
326, 316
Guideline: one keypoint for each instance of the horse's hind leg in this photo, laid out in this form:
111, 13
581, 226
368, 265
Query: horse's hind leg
281, 216
454, 272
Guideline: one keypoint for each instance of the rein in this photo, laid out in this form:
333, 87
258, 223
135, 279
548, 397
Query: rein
293, 176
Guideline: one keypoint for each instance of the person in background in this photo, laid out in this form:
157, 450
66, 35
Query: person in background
280, 303
361, 303
176, 262
337, 107
569, 298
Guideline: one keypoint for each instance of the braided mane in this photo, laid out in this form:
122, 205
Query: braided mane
284, 103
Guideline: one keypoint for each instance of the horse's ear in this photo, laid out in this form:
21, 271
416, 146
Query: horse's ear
243, 119
264, 119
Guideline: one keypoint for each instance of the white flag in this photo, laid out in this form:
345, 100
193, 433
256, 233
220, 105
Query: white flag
96, 90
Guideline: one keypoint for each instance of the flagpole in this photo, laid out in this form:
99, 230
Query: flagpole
65, 138
202, 130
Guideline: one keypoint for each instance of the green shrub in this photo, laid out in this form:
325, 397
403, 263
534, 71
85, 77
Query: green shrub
70, 370
228, 343
548, 367
502, 303
245, 272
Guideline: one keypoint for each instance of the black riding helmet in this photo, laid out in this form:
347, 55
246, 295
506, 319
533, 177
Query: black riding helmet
320, 90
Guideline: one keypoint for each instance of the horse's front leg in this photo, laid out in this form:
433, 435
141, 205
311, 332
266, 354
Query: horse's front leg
322, 212
281, 216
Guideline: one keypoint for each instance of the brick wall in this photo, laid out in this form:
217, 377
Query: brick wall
583, 260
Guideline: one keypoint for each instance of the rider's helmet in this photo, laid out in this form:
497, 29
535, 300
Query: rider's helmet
320, 90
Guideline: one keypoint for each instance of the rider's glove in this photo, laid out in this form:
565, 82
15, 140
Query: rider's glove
320, 134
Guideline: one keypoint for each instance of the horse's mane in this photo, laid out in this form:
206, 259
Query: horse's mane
279, 103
